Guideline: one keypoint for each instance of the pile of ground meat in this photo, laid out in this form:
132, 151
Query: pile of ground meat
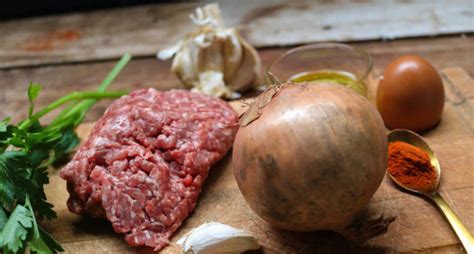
146, 159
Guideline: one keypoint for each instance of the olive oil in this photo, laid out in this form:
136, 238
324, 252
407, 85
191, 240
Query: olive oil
331, 76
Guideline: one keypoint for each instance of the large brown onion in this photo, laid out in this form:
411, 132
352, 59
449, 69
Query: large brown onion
311, 157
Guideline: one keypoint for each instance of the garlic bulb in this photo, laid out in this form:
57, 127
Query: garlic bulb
214, 59
214, 237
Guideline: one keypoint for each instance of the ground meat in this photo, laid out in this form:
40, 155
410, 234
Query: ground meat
146, 159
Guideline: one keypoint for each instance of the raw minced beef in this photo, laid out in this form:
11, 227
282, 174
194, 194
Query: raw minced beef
146, 159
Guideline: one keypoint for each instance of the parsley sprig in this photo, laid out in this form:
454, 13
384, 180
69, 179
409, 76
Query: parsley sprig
26, 152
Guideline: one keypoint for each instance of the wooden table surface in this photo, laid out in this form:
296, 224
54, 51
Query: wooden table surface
432, 234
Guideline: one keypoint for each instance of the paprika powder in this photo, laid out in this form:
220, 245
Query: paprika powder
411, 166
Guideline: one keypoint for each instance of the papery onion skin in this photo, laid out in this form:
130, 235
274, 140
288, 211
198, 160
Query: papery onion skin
313, 158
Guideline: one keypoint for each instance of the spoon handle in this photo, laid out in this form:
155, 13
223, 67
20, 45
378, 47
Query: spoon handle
466, 238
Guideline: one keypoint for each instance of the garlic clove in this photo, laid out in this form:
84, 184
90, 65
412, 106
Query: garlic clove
170, 52
233, 53
212, 83
183, 65
214, 237
248, 71
210, 57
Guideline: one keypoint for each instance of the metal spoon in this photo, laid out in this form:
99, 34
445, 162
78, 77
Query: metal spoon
416, 140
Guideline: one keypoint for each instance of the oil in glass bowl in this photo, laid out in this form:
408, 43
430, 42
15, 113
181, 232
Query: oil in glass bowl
331, 76
323, 63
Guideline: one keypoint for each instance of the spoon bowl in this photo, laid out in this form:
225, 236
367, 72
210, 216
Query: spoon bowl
416, 140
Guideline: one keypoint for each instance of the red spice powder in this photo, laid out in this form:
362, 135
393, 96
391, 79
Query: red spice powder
411, 166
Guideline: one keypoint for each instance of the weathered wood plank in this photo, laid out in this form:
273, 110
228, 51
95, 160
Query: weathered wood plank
149, 72
144, 30
306, 22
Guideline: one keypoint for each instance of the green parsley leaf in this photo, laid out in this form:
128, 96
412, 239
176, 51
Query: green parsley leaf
6, 132
68, 142
26, 152
41, 242
3, 219
4, 124
15, 230
49, 240
42, 207
33, 92
7, 189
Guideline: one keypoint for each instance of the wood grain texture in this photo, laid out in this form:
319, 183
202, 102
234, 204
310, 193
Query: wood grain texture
144, 30
419, 227
149, 72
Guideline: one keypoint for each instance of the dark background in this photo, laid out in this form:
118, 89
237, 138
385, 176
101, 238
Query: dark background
13, 9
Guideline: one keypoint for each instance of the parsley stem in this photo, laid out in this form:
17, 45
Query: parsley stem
85, 105
81, 106
61, 101
114, 72
60, 116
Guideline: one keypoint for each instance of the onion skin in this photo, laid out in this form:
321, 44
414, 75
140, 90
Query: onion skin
313, 158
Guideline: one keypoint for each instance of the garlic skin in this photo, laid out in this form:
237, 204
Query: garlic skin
215, 238
214, 52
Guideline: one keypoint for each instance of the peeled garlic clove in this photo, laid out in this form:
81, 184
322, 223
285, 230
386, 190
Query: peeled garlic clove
214, 237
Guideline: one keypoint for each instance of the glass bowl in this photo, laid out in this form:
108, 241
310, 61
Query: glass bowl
322, 63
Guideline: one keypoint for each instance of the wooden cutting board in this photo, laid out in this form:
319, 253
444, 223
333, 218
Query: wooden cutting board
418, 227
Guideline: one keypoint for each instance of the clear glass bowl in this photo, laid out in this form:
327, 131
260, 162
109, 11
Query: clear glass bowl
323, 62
